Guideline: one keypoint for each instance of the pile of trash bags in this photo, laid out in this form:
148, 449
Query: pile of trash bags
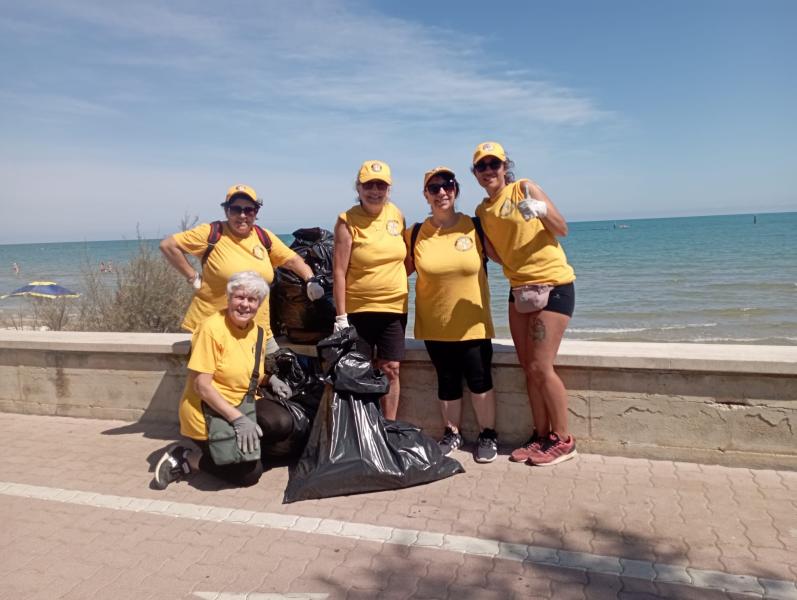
351, 447
301, 320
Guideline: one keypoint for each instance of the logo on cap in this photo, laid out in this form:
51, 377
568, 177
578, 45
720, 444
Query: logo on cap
376, 167
487, 147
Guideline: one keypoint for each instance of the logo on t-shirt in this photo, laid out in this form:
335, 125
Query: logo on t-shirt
506, 207
463, 243
393, 227
259, 252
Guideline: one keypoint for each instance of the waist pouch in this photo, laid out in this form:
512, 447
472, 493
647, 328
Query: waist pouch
532, 297
222, 442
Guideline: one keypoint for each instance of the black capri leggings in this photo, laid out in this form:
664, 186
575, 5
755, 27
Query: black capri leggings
471, 359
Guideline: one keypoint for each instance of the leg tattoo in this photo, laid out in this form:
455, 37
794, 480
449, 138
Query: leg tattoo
538, 330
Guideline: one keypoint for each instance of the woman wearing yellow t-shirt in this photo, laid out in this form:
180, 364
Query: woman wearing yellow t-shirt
239, 248
522, 223
369, 279
452, 311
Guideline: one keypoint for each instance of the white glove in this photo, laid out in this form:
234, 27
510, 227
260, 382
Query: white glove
195, 281
279, 387
314, 289
531, 208
341, 322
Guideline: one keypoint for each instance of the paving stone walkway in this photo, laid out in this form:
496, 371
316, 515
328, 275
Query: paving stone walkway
81, 521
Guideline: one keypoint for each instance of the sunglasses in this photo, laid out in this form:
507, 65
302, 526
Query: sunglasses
449, 186
482, 166
249, 211
375, 184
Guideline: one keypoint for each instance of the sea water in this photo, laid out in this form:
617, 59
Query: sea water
718, 279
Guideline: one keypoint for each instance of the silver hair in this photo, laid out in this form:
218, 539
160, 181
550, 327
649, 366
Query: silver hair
250, 281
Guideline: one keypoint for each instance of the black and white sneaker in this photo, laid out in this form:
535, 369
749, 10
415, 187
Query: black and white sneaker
172, 466
450, 441
486, 446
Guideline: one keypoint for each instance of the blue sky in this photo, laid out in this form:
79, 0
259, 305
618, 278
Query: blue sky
118, 115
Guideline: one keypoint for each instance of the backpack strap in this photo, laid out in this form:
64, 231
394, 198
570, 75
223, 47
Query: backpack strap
414, 238
217, 228
213, 237
477, 225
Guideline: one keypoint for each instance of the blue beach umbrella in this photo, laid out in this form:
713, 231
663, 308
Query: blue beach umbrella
42, 289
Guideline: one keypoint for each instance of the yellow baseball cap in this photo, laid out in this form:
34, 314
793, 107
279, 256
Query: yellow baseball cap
489, 149
374, 169
243, 190
437, 171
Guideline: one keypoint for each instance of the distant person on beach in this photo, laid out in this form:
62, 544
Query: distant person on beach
224, 248
522, 224
223, 352
102, 267
109, 267
452, 311
369, 278
15, 268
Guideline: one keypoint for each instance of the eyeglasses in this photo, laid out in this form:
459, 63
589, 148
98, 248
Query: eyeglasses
482, 166
375, 184
449, 186
249, 211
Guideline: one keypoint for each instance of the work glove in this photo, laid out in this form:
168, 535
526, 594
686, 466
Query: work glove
279, 387
247, 434
314, 289
341, 322
531, 208
195, 281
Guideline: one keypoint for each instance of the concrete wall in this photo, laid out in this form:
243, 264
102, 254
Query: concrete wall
733, 405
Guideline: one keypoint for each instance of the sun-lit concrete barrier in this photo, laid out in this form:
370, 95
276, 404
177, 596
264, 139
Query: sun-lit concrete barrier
734, 405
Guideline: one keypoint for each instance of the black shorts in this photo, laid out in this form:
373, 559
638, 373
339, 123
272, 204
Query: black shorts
381, 330
562, 299
471, 359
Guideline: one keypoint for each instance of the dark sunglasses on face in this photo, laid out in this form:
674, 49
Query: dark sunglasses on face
434, 188
379, 185
249, 211
483, 165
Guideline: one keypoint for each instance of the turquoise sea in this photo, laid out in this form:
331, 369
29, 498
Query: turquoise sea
717, 279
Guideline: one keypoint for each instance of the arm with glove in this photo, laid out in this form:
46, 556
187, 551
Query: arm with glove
247, 432
537, 205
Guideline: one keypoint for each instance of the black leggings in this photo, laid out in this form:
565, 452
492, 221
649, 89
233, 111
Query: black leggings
471, 359
276, 423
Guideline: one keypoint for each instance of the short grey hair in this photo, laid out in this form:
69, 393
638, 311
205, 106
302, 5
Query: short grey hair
250, 281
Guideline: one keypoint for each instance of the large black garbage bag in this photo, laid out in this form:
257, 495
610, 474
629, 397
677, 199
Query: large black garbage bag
292, 313
300, 373
353, 449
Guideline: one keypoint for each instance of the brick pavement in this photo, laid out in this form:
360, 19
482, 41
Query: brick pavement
81, 522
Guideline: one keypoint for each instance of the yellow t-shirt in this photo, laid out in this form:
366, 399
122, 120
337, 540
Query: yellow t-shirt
230, 256
452, 299
528, 251
376, 279
228, 353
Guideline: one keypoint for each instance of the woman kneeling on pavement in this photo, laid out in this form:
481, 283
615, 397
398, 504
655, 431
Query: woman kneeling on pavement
452, 311
223, 361
522, 223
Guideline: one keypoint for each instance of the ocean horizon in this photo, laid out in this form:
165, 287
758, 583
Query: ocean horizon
707, 279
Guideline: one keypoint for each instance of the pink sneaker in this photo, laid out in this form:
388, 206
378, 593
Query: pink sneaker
522, 454
553, 451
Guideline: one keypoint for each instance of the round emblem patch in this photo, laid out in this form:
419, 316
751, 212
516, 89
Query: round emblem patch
376, 167
463, 243
506, 208
393, 227
259, 252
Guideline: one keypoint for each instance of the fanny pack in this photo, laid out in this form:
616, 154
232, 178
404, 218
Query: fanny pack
531, 297
222, 442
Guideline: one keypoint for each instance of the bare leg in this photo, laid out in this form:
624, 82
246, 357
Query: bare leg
390, 401
545, 336
484, 407
519, 324
451, 411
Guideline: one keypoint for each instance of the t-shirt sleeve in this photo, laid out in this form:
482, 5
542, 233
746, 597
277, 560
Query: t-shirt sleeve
280, 253
193, 241
205, 351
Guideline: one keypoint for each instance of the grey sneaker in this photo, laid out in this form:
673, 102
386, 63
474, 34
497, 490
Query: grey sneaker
450, 441
172, 466
486, 446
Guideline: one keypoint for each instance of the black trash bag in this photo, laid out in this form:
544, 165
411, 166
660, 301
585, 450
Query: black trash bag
353, 449
292, 313
332, 348
300, 373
